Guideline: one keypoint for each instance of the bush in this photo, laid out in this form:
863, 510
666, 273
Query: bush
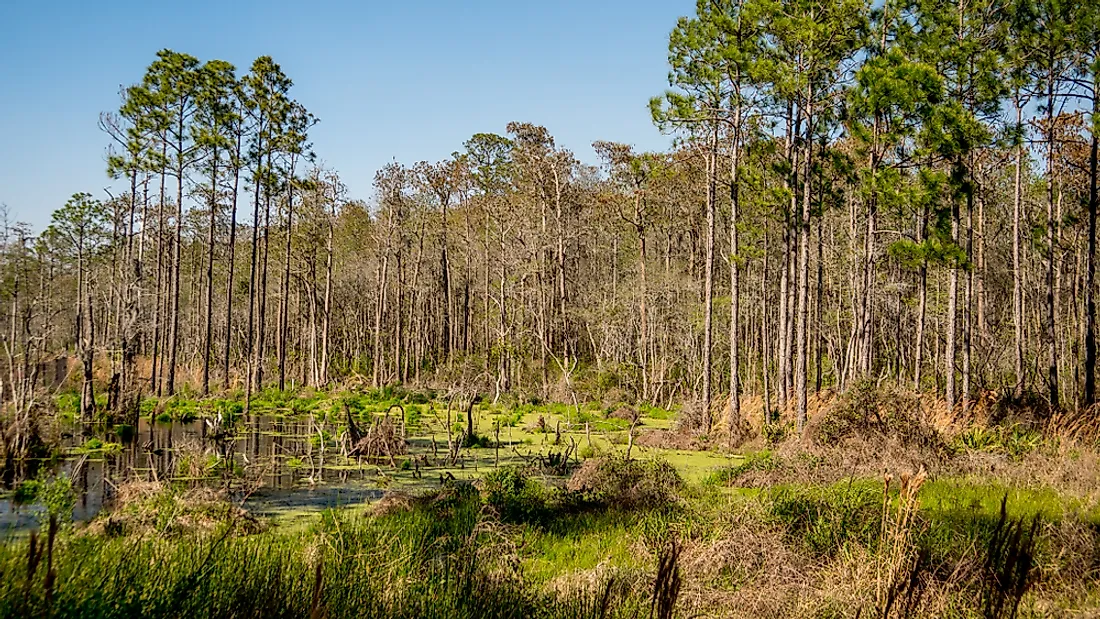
54, 493
413, 416
513, 495
1015, 441
418, 397
26, 492
776, 432
142, 508
510, 419
616, 481
869, 412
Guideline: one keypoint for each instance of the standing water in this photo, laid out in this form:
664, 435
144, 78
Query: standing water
269, 463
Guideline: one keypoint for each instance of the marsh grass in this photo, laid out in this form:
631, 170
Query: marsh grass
1006, 523
443, 560
510, 546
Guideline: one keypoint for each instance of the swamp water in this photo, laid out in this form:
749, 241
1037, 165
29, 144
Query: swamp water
274, 465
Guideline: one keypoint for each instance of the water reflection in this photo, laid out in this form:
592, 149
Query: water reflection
271, 462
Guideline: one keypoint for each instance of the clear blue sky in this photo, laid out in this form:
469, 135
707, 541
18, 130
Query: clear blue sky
389, 80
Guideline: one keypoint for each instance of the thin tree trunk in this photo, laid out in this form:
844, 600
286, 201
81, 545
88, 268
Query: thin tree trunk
801, 334
212, 223
326, 319
1017, 269
735, 270
231, 263
173, 337
922, 305
708, 282
284, 302
952, 311
1090, 270
1050, 324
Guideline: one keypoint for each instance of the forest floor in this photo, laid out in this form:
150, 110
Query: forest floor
589, 510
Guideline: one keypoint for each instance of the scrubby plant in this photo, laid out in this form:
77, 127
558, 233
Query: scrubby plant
510, 419
870, 412
775, 432
1015, 440
413, 416
1011, 559
514, 495
53, 492
618, 481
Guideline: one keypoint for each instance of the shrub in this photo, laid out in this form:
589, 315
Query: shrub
413, 416
68, 404
510, 419
776, 432
25, 492
1014, 440
869, 412
616, 481
54, 493
418, 397
514, 496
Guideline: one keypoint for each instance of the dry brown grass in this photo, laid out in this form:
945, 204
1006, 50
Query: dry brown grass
151, 508
395, 502
1071, 469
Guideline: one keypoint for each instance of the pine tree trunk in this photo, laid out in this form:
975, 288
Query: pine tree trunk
1017, 267
735, 270
212, 223
250, 340
231, 264
177, 264
801, 335
261, 302
708, 277
1090, 277
922, 304
952, 313
1049, 324
284, 302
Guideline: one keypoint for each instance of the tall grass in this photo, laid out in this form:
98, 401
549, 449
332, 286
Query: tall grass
444, 560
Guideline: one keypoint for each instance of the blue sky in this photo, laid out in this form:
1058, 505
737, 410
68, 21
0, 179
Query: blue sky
389, 80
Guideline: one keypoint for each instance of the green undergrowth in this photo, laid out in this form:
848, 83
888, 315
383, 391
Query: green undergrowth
445, 558
508, 545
